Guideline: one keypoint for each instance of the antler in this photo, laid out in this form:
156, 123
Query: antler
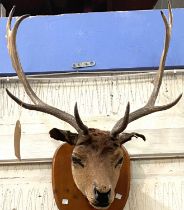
150, 106
39, 105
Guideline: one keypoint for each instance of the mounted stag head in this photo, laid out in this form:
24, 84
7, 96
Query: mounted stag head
97, 156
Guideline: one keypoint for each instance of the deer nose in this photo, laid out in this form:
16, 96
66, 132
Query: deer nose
102, 198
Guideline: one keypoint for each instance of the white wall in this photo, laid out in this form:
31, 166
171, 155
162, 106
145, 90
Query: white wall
155, 185
101, 101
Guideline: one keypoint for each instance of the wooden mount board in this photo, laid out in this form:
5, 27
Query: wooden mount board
65, 188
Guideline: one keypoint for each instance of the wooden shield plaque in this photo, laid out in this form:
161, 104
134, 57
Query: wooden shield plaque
66, 194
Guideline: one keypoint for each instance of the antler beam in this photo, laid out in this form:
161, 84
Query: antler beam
150, 106
39, 105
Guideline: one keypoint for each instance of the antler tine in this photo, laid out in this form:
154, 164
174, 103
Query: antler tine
123, 124
160, 72
81, 125
46, 109
39, 105
150, 106
12, 49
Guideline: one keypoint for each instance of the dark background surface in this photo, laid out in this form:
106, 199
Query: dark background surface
53, 7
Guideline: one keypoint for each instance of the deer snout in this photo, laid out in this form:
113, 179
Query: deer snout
102, 198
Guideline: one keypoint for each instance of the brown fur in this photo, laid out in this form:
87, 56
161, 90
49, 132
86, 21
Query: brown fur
102, 172
99, 154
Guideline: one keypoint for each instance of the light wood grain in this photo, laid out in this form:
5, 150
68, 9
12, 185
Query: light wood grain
155, 185
101, 101
42, 146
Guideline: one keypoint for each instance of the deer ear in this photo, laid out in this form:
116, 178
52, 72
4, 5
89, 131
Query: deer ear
124, 137
63, 135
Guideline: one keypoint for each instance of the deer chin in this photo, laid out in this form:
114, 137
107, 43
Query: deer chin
97, 205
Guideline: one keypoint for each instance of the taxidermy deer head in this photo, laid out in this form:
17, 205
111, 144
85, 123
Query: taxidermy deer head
97, 156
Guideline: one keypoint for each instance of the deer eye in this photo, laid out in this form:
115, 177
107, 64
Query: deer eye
77, 161
119, 162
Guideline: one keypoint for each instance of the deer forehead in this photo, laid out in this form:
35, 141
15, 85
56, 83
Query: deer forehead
95, 135
98, 144
97, 139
